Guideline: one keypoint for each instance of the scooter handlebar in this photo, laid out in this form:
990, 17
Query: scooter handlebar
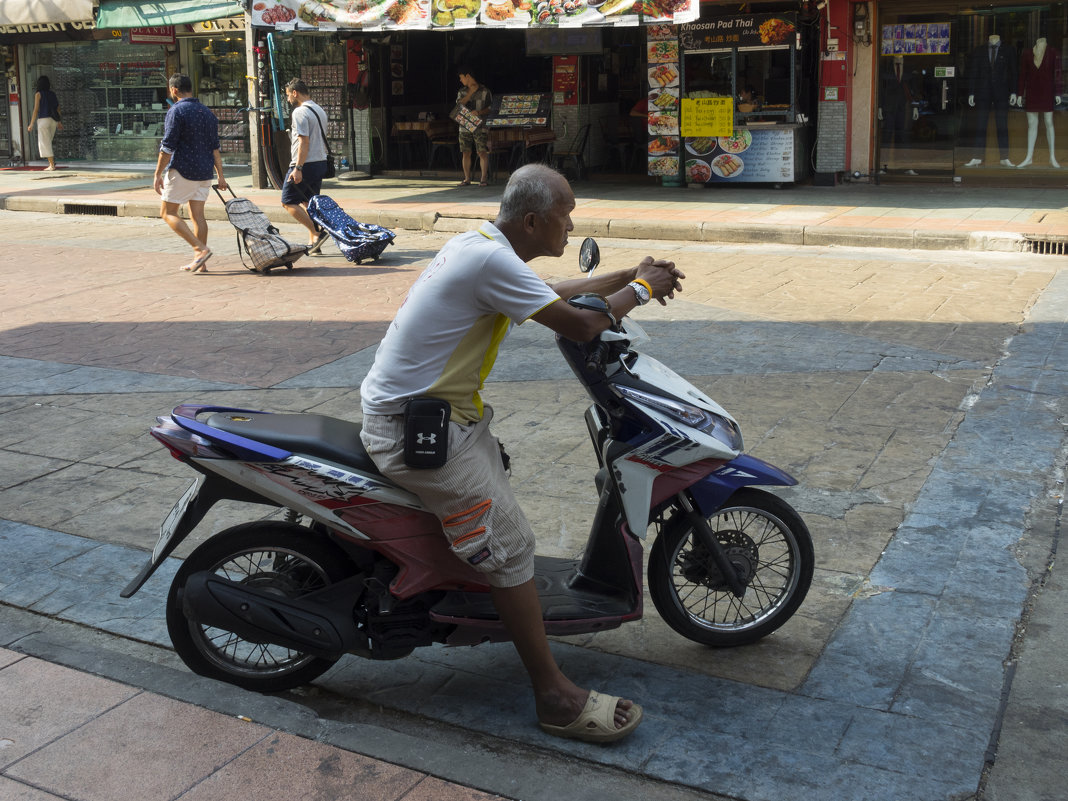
595, 359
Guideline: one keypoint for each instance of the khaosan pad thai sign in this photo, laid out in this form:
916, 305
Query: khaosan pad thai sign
447, 14
745, 30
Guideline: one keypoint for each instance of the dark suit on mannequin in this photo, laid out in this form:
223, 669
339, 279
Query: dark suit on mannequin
992, 82
896, 93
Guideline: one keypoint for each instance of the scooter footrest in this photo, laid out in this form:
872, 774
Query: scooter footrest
565, 595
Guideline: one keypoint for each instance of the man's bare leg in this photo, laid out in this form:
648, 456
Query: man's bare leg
200, 222
299, 212
557, 699
169, 213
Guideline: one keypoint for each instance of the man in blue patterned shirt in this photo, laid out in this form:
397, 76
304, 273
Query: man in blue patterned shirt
187, 155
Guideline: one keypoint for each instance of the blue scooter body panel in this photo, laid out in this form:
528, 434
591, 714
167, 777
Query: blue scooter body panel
713, 491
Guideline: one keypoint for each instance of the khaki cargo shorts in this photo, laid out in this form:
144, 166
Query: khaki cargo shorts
470, 495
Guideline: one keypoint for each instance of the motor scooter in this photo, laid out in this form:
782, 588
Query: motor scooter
358, 566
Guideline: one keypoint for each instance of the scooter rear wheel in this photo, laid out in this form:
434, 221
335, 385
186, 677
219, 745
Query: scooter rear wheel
770, 548
285, 558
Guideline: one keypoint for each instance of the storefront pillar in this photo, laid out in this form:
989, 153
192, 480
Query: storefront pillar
255, 72
862, 114
833, 137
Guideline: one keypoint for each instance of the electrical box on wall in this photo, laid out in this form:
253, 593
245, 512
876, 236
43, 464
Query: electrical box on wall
861, 23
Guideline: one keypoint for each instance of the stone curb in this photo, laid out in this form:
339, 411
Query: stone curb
673, 230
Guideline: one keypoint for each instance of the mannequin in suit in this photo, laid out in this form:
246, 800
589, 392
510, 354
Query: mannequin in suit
1038, 71
992, 73
897, 111
896, 94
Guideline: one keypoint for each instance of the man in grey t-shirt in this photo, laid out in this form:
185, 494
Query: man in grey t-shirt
307, 164
443, 342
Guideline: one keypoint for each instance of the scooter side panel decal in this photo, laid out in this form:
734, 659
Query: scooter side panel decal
744, 471
276, 488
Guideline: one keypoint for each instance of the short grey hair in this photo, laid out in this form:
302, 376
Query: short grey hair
532, 188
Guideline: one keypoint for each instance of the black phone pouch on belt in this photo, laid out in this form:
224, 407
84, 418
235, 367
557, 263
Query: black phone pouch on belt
426, 432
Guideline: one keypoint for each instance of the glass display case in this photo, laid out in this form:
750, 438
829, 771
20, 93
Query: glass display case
217, 69
112, 96
127, 102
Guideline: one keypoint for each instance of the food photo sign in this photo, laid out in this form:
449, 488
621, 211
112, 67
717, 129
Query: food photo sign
662, 124
759, 155
447, 14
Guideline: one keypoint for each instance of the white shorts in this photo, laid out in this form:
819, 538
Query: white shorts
46, 130
470, 495
177, 189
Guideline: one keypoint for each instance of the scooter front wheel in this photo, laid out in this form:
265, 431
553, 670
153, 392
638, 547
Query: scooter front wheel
282, 558
770, 548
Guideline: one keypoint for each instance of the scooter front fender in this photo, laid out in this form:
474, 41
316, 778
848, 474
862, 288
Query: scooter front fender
713, 490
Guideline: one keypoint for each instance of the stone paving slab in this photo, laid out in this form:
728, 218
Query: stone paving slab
67, 734
888, 419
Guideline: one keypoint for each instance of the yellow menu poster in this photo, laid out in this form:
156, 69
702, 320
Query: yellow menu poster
708, 116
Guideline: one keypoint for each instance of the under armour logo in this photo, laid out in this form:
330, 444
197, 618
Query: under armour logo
427, 438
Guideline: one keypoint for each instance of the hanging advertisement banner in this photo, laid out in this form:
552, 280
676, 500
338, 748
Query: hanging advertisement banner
451, 14
742, 30
565, 80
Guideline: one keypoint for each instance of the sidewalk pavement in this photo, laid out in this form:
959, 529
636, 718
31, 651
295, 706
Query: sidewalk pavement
68, 734
919, 400
923, 216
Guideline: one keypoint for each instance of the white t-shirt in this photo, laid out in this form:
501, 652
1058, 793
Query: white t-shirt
304, 124
444, 339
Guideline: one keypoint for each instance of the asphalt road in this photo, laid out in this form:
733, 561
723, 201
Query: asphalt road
917, 396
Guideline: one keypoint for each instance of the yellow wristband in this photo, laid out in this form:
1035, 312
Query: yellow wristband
644, 284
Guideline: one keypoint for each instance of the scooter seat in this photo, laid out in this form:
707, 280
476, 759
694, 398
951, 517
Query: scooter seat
314, 435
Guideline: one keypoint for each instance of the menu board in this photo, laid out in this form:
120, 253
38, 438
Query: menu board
519, 111
708, 116
757, 155
915, 39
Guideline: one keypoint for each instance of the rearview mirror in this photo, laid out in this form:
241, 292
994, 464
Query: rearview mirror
589, 256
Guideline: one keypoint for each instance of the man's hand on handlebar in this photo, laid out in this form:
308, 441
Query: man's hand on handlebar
663, 276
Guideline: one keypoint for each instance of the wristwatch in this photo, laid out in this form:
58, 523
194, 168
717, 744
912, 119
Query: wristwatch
642, 291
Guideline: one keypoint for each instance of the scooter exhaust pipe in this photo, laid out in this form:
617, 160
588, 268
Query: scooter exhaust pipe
262, 617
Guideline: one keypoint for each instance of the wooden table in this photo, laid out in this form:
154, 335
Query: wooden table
424, 132
520, 141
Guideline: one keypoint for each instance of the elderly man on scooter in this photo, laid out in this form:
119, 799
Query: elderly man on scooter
442, 345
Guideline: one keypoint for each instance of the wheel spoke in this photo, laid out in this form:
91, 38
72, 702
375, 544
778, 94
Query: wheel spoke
754, 536
289, 574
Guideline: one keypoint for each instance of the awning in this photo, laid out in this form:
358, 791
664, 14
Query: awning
160, 13
29, 12
448, 15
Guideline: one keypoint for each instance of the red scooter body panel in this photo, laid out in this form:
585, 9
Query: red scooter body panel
414, 541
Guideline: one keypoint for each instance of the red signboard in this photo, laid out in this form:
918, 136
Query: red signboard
565, 80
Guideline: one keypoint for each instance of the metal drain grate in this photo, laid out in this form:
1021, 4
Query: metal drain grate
86, 208
1046, 247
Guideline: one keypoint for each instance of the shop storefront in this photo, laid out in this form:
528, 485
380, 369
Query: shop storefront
213, 54
112, 86
577, 66
745, 99
9, 111
965, 93
112, 89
